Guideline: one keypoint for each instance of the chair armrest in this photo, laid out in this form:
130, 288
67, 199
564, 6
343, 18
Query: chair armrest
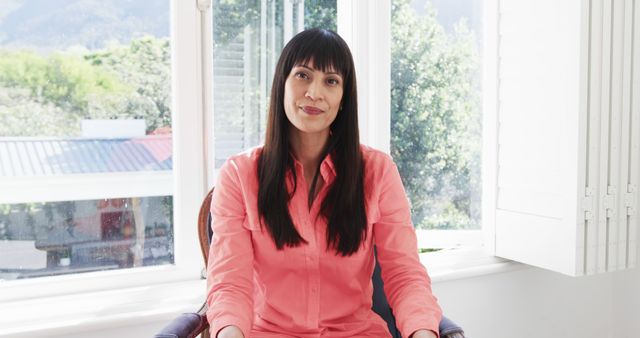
449, 329
190, 325
187, 325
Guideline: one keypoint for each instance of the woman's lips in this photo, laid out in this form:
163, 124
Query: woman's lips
312, 110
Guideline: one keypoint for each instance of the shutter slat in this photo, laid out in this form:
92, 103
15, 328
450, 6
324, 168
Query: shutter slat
605, 105
625, 136
615, 139
634, 153
596, 79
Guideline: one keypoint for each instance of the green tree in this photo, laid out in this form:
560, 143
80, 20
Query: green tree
321, 14
47, 95
24, 115
434, 116
145, 66
64, 78
230, 17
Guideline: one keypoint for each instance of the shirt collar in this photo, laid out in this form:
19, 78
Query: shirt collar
326, 166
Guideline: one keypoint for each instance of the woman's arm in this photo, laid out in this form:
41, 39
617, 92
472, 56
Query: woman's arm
230, 265
406, 283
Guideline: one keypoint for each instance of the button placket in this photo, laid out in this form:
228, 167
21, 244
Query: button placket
314, 292
306, 218
314, 281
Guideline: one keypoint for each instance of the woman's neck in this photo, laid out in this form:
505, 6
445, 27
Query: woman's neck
307, 148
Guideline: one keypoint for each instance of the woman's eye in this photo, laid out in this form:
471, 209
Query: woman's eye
332, 82
302, 75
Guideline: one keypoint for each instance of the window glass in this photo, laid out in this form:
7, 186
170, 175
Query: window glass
84, 97
52, 238
436, 109
248, 36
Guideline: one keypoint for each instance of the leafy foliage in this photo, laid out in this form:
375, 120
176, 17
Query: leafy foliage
48, 95
435, 120
321, 14
145, 66
231, 17
22, 114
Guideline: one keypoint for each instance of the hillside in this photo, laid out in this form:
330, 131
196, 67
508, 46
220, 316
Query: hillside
46, 25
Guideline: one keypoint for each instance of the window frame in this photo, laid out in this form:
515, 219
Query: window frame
366, 27
188, 179
489, 162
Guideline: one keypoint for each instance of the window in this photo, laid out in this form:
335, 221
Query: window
436, 112
247, 39
85, 138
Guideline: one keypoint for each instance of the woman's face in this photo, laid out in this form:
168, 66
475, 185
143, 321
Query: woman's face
312, 98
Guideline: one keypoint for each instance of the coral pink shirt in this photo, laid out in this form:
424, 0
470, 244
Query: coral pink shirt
308, 291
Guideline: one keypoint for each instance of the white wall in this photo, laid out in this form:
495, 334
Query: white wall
626, 300
529, 303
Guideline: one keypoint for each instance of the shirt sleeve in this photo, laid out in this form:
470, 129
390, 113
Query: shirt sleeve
406, 283
230, 265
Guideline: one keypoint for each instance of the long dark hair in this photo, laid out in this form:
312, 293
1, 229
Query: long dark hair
343, 207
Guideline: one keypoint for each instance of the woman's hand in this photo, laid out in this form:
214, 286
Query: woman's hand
230, 332
423, 334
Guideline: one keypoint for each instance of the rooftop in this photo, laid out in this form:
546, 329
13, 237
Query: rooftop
37, 156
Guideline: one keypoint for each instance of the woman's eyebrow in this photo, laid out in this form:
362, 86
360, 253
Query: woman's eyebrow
312, 69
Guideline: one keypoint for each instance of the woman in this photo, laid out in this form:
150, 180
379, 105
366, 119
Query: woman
295, 221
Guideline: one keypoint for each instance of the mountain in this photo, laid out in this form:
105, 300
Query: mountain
47, 25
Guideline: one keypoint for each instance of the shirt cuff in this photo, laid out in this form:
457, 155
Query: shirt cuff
227, 320
429, 326
434, 332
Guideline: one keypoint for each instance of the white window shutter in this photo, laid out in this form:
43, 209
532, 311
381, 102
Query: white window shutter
566, 171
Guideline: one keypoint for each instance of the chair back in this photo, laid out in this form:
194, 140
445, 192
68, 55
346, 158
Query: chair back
204, 226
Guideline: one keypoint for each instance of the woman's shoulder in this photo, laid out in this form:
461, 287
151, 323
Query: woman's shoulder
378, 165
244, 161
375, 159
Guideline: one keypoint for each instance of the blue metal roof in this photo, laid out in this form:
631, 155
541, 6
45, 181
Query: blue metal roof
29, 156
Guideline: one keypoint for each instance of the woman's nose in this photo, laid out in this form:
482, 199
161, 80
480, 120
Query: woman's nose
314, 91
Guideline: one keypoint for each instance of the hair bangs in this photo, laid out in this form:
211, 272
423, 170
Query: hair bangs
323, 50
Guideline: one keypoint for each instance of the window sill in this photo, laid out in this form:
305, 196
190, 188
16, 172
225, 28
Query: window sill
93, 311
460, 263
